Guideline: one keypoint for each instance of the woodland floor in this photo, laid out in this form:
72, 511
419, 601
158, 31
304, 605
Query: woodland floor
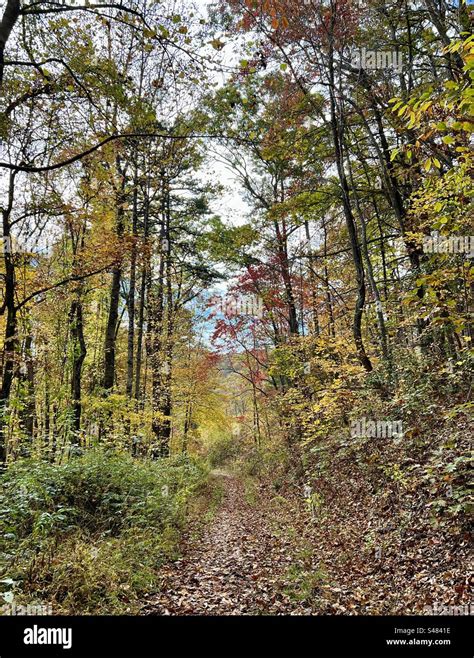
261, 553
238, 566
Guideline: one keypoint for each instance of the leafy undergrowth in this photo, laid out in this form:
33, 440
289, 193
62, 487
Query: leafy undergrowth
385, 529
388, 547
382, 524
88, 537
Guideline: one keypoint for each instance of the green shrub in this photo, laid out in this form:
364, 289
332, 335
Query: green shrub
89, 535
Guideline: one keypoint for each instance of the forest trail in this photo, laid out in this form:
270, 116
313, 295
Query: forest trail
236, 567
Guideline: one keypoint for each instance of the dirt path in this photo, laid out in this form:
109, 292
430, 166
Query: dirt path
235, 568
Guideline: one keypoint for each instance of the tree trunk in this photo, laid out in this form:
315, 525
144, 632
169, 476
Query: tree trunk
9, 18
131, 292
329, 307
370, 271
79, 352
29, 379
314, 288
155, 336
112, 320
162, 372
287, 283
337, 133
143, 292
10, 340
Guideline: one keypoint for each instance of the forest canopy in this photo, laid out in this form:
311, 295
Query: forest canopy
236, 236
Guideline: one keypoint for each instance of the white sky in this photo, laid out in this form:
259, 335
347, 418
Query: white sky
231, 206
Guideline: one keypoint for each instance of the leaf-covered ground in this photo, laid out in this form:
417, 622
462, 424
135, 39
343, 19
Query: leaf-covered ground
264, 553
237, 566
387, 528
